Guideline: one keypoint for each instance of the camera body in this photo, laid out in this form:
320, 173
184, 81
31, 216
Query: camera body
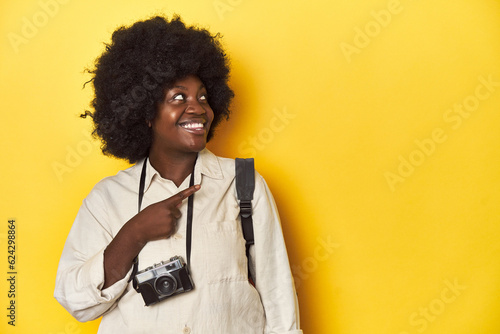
163, 280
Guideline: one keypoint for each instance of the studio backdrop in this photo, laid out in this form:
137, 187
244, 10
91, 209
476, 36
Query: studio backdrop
375, 123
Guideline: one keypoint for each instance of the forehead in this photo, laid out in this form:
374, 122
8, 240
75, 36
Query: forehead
190, 81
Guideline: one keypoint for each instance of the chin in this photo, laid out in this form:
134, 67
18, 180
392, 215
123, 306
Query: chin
197, 147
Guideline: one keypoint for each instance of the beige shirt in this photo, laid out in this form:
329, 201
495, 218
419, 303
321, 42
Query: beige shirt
223, 301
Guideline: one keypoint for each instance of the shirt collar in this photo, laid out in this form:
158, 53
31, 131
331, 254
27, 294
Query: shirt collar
207, 165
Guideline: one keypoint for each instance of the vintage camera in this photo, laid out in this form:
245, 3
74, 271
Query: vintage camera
163, 280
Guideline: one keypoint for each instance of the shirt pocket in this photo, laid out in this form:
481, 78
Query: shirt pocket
224, 246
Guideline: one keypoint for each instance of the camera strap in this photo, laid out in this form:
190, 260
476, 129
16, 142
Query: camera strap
189, 225
245, 185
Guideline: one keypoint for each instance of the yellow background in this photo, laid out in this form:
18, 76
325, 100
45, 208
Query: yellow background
338, 101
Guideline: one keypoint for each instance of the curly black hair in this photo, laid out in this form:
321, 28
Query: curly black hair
140, 63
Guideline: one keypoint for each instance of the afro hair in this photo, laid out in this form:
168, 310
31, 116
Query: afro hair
132, 74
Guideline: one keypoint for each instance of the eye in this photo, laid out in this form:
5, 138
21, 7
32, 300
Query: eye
178, 97
203, 97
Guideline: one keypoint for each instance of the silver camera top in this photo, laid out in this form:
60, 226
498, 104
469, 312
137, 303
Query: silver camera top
161, 268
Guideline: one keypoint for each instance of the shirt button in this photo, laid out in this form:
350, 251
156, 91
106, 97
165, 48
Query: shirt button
186, 330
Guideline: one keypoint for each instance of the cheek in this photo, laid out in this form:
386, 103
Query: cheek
166, 120
210, 115
163, 126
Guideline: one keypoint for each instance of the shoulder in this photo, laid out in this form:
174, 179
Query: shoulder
125, 181
225, 167
216, 167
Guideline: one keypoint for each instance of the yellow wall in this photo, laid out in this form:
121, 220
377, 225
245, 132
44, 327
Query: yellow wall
375, 123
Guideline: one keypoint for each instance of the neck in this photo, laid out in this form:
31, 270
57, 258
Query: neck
174, 168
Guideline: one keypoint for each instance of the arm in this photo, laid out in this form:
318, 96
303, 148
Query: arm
80, 276
95, 266
272, 271
155, 222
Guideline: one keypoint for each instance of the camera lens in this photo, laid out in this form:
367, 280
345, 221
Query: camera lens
166, 285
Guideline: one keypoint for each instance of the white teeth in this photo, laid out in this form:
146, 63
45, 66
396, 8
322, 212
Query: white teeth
192, 125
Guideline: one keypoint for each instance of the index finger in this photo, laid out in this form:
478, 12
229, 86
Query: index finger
181, 195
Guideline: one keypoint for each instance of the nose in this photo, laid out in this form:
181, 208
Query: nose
195, 107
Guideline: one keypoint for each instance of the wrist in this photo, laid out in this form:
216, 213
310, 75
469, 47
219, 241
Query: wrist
136, 238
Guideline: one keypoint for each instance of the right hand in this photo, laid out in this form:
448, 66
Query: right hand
159, 220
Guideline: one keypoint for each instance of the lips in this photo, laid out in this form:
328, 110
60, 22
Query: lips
194, 126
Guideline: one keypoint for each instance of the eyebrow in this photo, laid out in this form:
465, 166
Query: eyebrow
185, 88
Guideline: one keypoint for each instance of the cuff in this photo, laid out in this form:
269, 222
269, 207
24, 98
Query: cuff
95, 269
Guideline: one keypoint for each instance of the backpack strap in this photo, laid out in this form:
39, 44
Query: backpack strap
245, 185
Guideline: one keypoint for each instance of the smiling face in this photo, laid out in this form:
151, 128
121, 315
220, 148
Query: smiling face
183, 119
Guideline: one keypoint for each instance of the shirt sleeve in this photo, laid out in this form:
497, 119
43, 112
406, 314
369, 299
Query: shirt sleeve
272, 272
80, 276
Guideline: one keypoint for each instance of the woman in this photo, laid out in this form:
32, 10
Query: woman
160, 91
